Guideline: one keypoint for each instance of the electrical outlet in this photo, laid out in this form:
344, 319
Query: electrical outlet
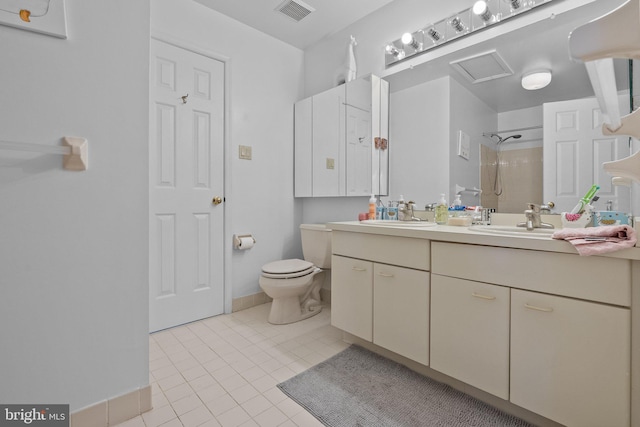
331, 163
245, 152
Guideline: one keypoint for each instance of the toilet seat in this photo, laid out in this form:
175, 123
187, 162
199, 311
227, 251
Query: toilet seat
287, 269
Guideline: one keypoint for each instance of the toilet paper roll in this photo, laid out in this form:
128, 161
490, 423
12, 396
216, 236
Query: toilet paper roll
246, 242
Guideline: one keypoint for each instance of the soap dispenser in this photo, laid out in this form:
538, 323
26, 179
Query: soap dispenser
372, 207
442, 210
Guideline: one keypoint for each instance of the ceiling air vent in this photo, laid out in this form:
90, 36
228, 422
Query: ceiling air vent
483, 67
295, 10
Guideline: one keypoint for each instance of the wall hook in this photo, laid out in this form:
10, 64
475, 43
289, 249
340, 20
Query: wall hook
184, 98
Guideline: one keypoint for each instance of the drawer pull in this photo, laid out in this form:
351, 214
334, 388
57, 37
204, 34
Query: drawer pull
487, 297
385, 274
533, 307
358, 269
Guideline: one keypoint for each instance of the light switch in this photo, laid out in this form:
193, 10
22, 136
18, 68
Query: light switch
464, 145
331, 163
245, 152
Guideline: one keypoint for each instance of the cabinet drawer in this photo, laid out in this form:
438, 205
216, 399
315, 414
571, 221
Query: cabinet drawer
591, 278
402, 251
470, 332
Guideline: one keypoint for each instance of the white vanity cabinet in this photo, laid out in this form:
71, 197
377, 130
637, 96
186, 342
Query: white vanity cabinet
570, 359
570, 329
401, 311
470, 332
352, 296
335, 149
386, 303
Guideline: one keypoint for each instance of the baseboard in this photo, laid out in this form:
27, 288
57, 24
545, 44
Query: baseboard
252, 300
114, 411
249, 301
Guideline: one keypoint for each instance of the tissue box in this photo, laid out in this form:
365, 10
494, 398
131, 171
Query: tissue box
610, 218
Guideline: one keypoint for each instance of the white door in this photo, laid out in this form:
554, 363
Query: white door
185, 176
574, 150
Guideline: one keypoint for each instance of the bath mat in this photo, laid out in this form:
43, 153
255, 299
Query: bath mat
359, 388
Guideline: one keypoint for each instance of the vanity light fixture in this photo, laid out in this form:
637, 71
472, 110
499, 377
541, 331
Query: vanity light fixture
481, 14
457, 24
392, 50
409, 40
434, 34
536, 79
481, 8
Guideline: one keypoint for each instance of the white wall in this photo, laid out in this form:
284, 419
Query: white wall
472, 116
419, 156
73, 245
520, 119
265, 81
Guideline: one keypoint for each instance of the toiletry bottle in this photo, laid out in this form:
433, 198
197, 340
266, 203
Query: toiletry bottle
401, 207
457, 206
372, 207
442, 210
380, 210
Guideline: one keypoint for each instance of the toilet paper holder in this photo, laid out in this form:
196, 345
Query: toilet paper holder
238, 238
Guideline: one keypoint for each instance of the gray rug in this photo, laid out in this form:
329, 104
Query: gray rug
359, 388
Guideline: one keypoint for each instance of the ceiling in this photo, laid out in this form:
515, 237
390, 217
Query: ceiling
329, 17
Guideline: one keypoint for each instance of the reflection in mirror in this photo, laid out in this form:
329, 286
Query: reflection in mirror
434, 102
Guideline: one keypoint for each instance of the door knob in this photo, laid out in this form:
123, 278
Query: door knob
216, 200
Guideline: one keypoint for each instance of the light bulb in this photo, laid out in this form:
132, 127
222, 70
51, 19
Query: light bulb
408, 39
481, 9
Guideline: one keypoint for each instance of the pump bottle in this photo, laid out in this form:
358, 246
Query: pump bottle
372, 207
442, 210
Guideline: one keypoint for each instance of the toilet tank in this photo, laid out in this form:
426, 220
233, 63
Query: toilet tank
316, 244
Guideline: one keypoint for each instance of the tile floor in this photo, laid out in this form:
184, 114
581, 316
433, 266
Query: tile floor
223, 371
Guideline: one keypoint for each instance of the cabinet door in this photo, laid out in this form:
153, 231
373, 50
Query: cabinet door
352, 296
359, 152
470, 332
570, 359
329, 143
303, 149
401, 311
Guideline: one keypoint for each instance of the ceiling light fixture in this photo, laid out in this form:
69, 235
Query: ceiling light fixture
536, 79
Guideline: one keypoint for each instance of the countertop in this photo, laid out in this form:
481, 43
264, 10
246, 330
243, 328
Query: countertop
455, 234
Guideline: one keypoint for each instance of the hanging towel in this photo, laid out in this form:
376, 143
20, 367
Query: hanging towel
598, 240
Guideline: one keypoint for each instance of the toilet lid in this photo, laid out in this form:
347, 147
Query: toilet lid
288, 266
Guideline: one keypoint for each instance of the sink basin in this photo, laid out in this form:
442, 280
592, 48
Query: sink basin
506, 230
412, 224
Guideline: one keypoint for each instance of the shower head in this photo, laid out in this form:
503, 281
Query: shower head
501, 139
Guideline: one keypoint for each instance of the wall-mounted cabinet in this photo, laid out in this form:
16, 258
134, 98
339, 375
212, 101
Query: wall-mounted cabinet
341, 140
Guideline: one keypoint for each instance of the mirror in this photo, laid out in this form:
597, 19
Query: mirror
485, 107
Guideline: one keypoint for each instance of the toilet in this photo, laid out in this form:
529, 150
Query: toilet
294, 284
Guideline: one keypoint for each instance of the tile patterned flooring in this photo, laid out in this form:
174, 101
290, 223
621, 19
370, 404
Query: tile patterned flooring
223, 371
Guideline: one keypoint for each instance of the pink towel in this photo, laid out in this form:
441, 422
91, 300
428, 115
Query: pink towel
598, 240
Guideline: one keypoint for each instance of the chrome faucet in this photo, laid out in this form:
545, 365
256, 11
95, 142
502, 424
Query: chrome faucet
532, 215
407, 212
